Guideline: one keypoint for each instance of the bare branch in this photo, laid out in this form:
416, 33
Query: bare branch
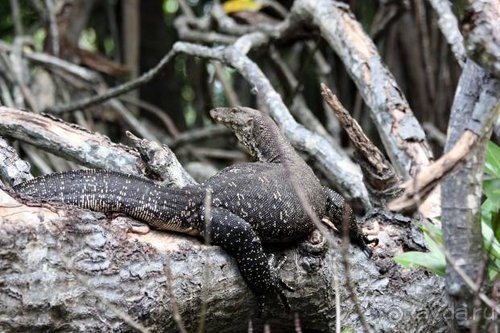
52, 61
13, 169
448, 24
474, 109
417, 188
482, 34
68, 141
482, 116
54, 29
161, 162
379, 174
399, 130
16, 17
115, 91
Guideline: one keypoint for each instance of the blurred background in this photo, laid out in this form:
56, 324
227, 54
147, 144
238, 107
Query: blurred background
121, 39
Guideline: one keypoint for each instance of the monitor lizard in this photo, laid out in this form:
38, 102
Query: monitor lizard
252, 203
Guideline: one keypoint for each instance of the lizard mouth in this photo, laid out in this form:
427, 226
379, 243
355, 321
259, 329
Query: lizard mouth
219, 116
216, 115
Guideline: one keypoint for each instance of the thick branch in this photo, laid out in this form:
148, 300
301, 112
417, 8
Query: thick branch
477, 102
448, 24
68, 141
482, 34
13, 169
476, 117
136, 274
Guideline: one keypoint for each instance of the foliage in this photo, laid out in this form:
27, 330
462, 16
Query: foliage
434, 260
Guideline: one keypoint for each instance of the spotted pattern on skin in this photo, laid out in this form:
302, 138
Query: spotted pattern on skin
252, 203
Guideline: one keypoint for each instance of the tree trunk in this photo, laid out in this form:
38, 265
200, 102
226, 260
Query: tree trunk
75, 270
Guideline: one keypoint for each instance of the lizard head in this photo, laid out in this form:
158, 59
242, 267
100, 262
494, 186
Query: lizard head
246, 123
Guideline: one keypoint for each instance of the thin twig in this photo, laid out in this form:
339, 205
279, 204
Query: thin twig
336, 287
48, 60
132, 120
311, 51
197, 134
296, 323
116, 91
424, 181
345, 241
423, 31
163, 116
231, 95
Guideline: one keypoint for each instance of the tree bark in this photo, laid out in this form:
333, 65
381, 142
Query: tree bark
482, 34
477, 95
74, 270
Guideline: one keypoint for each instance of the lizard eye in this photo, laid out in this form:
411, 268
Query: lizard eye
234, 110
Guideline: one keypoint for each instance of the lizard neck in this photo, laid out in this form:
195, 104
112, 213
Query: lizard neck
269, 144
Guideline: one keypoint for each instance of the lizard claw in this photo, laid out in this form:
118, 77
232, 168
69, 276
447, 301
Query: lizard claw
281, 285
261, 299
284, 301
371, 241
367, 250
277, 286
275, 267
364, 245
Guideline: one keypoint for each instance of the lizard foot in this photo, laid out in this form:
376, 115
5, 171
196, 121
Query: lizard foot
139, 228
276, 286
280, 285
314, 245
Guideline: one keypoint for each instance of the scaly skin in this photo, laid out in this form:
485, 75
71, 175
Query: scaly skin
252, 203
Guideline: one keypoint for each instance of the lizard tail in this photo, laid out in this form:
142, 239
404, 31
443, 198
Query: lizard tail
109, 191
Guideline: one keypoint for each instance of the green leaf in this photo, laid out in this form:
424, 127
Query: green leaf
494, 269
434, 231
488, 208
491, 188
495, 224
434, 261
434, 247
490, 241
490, 216
428, 261
492, 166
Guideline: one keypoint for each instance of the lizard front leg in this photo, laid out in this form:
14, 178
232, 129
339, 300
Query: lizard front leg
337, 210
238, 238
